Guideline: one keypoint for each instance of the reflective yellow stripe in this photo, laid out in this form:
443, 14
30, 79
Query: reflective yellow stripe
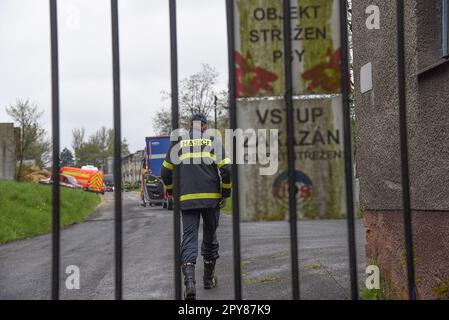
169, 186
167, 165
193, 196
76, 174
223, 162
197, 155
226, 185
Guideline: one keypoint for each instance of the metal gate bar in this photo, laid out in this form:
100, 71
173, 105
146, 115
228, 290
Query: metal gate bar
404, 150
233, 125
288, 99
117, 152
175, 125
347, 127
56, 236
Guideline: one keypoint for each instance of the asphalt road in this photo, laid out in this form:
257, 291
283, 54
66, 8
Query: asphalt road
25, 266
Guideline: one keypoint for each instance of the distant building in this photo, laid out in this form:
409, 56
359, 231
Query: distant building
109, 166
131, 167
7, 151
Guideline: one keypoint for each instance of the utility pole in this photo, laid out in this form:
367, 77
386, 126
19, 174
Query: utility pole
215, 111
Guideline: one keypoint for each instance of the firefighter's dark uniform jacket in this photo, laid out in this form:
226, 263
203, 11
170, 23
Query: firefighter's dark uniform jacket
202, 184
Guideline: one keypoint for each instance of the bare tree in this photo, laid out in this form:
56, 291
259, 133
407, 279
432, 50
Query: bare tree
162, 121
97, 147
196, 95
197, 92
33, 142
110, 144
101, 137
78, 138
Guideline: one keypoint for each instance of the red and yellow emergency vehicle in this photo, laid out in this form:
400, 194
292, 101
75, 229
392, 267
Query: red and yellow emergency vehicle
90, 179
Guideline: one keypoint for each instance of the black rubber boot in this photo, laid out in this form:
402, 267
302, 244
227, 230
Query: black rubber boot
209, 278
188, 269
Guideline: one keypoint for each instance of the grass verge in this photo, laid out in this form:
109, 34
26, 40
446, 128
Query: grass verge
228, 207
26, 209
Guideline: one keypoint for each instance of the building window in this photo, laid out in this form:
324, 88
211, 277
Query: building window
444, 28
432, 35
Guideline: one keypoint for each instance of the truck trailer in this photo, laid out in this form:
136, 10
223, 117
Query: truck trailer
152, 188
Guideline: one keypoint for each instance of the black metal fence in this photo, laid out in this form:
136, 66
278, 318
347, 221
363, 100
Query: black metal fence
233, 123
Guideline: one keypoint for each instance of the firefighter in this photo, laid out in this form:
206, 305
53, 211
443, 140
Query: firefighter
205, 184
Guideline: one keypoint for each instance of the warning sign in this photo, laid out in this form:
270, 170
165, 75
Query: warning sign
319, 161
259, 49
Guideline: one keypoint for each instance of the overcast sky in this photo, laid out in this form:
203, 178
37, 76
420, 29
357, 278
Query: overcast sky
85, 58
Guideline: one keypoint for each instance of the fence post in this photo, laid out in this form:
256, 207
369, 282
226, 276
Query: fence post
288, 99
233, 125
404, 150
56, 240
117, 152
175, 125
347, 127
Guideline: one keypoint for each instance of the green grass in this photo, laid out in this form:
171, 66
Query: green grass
26, 209
386, 291
228, 207
442, 291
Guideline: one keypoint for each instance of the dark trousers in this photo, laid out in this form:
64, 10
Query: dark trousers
190, 226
